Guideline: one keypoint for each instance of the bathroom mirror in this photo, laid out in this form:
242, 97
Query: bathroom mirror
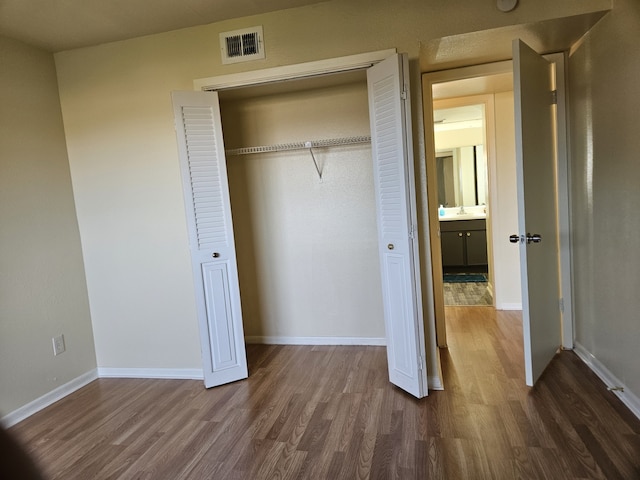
462, 176
460, 156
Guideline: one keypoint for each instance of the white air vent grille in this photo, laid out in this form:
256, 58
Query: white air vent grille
242, 45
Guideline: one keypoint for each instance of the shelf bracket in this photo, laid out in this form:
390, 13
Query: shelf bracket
309, 145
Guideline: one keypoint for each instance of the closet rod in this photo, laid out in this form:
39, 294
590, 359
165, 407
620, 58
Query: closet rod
331, 142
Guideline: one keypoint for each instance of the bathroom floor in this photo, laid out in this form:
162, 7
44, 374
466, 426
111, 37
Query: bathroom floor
467, 293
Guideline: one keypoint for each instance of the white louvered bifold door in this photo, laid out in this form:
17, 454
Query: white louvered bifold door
213, 253
389, 112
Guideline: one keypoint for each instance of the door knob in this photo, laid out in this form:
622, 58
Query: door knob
215, 255
390, 246
534, 238
514, 238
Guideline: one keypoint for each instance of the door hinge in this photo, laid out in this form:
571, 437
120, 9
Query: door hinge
420, 362
554, 97
412, 232
561, 305
403, 95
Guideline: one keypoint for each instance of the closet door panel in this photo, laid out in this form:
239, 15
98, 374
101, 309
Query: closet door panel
389, 114
211, 241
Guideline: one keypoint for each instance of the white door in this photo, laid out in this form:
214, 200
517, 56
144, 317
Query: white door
537, 212
390, 117
213, 254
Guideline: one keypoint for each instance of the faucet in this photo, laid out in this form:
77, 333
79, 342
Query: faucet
461, 212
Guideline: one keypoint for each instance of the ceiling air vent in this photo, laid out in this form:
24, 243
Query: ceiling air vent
242, 45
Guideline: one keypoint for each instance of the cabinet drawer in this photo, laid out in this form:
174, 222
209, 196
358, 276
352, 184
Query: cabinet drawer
463, 225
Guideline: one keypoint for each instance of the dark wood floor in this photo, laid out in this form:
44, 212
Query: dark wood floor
329, 412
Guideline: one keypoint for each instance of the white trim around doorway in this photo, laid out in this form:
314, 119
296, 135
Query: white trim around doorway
293, 72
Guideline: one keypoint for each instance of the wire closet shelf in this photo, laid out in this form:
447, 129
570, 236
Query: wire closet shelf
331, 142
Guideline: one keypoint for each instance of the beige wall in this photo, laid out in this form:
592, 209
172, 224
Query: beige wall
605, 174
307, 248
122, 149
42, 284
458, 138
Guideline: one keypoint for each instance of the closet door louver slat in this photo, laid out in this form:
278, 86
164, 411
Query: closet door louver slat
204, 175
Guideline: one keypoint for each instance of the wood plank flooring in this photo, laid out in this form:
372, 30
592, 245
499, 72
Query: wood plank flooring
329, 412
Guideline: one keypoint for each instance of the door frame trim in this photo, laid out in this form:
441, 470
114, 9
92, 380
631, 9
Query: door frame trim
563, 179
296, 71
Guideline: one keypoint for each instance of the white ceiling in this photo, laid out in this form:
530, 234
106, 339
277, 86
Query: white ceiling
502, 82
57, 25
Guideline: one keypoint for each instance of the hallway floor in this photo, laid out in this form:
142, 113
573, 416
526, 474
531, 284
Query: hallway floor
467, 293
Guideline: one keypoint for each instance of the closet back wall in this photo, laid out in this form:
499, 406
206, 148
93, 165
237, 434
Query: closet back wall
307, 249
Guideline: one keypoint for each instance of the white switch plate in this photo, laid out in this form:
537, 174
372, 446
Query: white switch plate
58, 344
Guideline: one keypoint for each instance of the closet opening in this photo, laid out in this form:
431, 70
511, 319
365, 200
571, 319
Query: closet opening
304, 220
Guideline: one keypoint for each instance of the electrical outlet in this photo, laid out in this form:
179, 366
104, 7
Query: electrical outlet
58, 344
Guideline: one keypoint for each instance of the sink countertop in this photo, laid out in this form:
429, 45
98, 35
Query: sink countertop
466, 216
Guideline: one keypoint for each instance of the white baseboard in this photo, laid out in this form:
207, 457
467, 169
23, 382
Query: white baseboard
275, 340
48, 398
609, 379
434, 383
509, 306
169, 373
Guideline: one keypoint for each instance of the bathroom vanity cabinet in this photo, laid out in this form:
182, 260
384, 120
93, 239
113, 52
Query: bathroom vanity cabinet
464, 243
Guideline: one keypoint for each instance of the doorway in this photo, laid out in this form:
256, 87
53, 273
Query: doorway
460, 132
496, 79
491, 88
305, 238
